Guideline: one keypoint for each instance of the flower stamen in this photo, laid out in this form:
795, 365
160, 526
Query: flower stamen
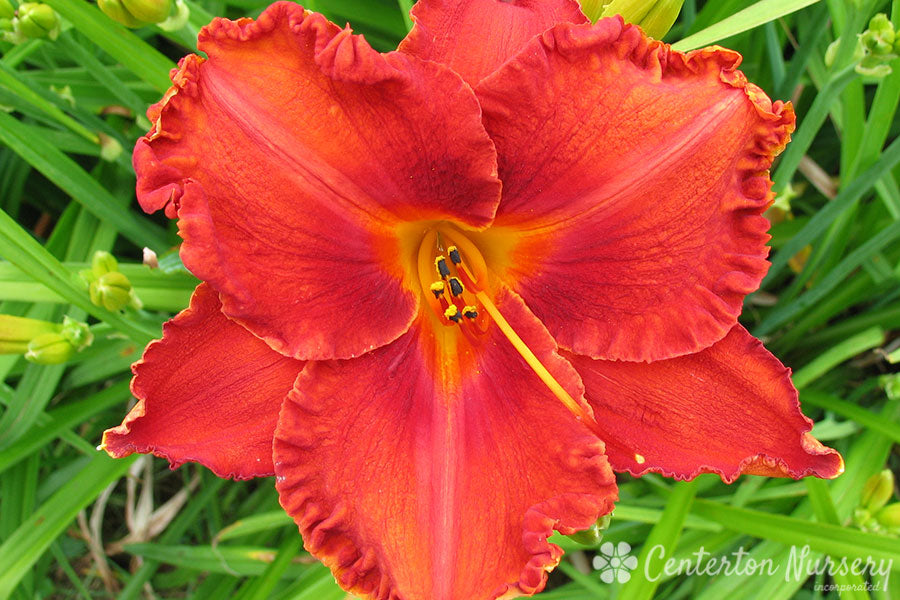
440, 263
456, 286
450, 297
455, 299
539, 369
453, 314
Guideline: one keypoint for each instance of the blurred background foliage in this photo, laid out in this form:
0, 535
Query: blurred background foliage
74, 87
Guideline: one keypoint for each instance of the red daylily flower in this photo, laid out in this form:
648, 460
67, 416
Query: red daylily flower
439, 357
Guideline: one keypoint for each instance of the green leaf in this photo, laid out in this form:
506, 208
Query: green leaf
753, 16
71, 178
235, 560
19, 248
144, 61
820, 537
866, 340
25, 546
662, 540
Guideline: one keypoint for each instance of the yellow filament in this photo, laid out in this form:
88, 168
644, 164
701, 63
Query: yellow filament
424, 267
534, 362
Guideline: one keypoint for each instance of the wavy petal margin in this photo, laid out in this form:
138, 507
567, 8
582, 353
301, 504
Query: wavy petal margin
635, 178
208, 392
449, 465
474, 37
292, 155
730, 409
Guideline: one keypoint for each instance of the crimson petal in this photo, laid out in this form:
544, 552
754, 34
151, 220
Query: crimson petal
729, 409
474, 37
292, 156
428, 470
208, 392
634, 179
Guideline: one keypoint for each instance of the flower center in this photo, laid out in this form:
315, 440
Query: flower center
453, 275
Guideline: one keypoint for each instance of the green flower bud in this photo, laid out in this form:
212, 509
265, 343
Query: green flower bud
49, 349
111, 291
863, 519
889, 516
7, 10
103, 263
37, 21
136, 13
16, 332
655, 17
149, 11
110, 148
115, 11
661, 17
593, 534
6, 25
178, 18
879, 488
78, 333
873, 66
881, 26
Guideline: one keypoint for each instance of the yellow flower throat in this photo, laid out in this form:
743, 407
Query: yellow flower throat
453, 276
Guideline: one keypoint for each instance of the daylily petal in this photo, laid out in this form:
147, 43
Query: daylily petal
729, 409
447, 469
208, 392
292, 155
634, 182
474, 37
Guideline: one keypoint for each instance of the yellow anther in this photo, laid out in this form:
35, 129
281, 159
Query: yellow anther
470, 311
453, 252
437, 288
440, 263
452, 313
456, 286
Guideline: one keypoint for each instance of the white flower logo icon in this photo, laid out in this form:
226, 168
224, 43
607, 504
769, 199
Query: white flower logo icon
614, 562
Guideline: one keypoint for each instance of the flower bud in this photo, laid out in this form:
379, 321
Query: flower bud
37, 21
110, 148
863, 519
593, 534
16, 332
136, 13
149, 11
78, 333
661, 17
879, 37
115, 11
112, 291
103, 263
178, 19
49, 349
7, 10
879, 488
655, 17
889, 516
